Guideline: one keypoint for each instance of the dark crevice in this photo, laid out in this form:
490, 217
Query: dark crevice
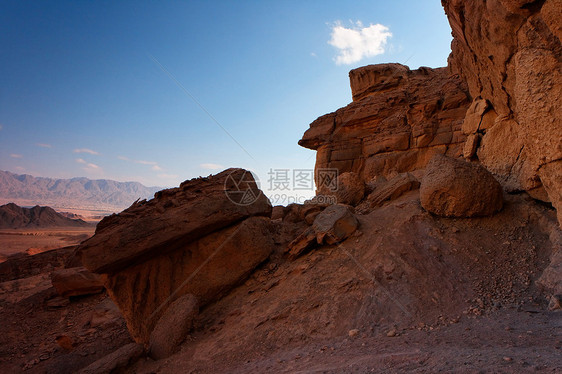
534, 6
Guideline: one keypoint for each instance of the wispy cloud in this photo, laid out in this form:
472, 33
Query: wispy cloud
153, 164
16, 155
43, 145
358, 42
142, 162
211, 166
86, 150
88, 166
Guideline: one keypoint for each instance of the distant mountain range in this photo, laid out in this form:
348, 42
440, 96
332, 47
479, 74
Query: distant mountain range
81, 193
16, 217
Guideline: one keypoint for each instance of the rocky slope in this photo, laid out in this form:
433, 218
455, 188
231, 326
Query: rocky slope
85, 193
442, 253
16, 217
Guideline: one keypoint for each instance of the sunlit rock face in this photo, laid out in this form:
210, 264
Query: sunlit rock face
510, 55
398, 120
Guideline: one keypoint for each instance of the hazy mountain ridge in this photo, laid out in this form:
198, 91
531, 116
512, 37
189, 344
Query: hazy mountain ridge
76, 192
13, 216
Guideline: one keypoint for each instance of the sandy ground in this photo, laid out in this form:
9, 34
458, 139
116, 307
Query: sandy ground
34, 241
508, 341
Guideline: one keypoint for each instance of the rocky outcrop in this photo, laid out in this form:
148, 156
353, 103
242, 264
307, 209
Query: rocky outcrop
350, 189
392, 189
455, 188
202, 238
398, 119
333, 225
510, 54
22, 265
174, 217
76, 282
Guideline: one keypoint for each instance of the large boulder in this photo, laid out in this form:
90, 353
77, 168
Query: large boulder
456, 188
76, 281
174, 217
207, 268
202, 238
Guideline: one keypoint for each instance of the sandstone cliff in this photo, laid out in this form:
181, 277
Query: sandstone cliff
510, 54
497, 103
398, 119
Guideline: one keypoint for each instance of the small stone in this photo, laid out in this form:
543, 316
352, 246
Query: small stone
555, 302
507, 359
391, 333
353, 333
65, 342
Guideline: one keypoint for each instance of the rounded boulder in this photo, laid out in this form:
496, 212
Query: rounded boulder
457, 188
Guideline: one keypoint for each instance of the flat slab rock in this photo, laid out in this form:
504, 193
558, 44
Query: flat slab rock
174, 217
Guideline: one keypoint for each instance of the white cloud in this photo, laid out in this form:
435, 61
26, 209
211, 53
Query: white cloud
85, 150
142, 162
153, 164
211, 166
15, 155
89, 167
358, 42
43, 145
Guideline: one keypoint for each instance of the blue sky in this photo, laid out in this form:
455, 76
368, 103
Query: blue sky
111, 89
